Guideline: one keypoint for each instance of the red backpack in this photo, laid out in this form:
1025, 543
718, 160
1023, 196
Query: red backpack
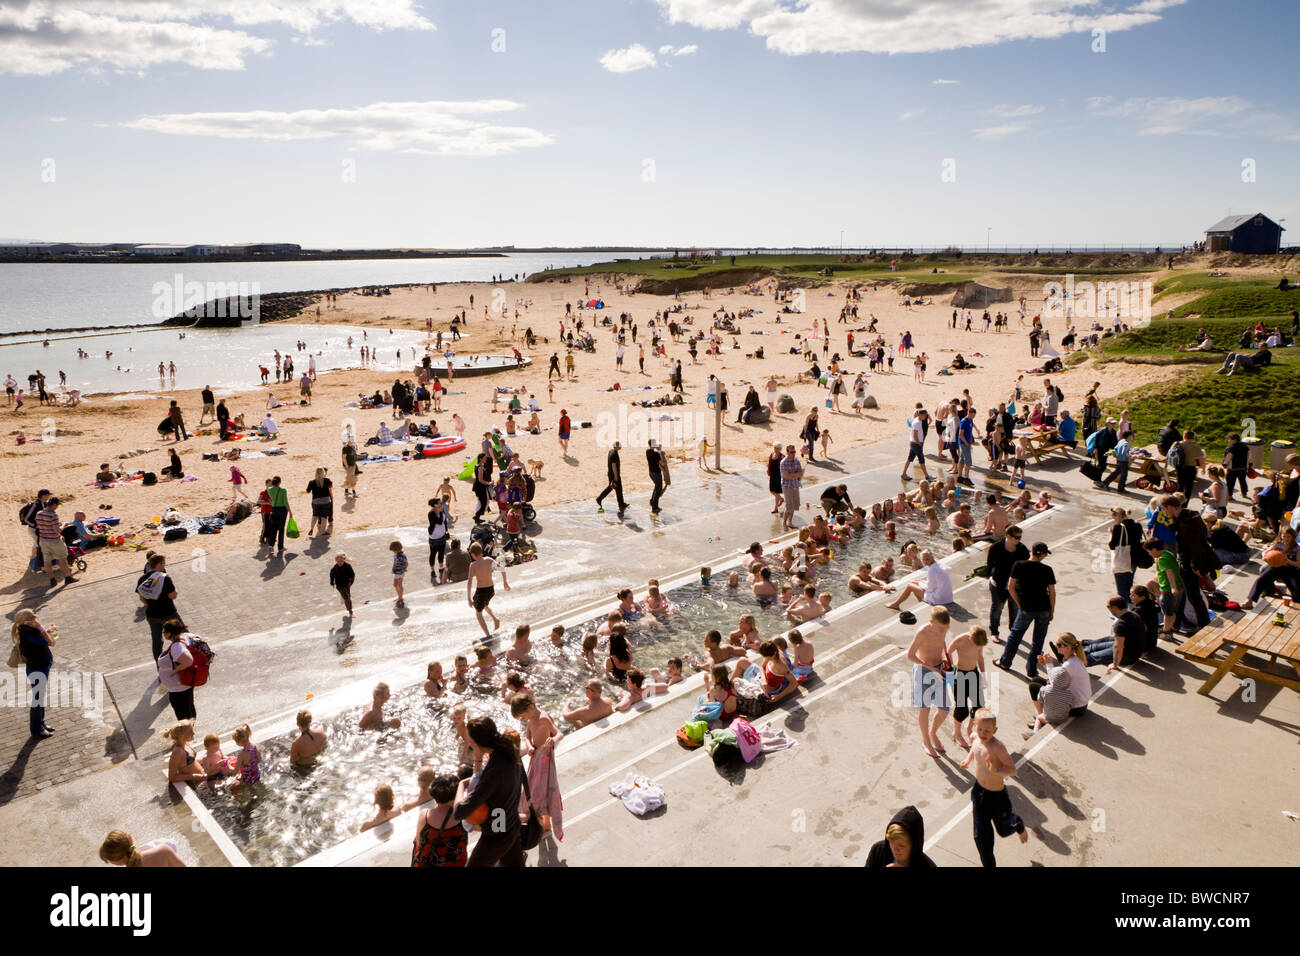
196, 675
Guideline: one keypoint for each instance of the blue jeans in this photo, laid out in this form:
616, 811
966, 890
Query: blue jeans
1000, 597
1100, 651
40, 689
1040, 620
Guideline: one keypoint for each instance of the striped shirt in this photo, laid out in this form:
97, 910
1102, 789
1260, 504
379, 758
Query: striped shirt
48, 525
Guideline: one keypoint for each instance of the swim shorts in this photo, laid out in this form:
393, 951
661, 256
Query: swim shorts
929, 689
483, 597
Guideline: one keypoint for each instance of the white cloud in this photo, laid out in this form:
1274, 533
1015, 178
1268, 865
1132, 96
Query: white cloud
687, 50
58, 119
895, 26
439, 128
43, 37
940, 81
910, 114
1204, 116
1012, 112
999, 132
629, 59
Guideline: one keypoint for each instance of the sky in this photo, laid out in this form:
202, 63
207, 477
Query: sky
862, 123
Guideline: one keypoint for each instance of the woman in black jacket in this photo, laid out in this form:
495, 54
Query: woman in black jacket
498, 790
34, 641
1126, 553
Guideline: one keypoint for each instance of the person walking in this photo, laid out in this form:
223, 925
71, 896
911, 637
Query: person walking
565, 428
498, 791
655, 465
321, 490
1125, 550
177, 421
482, 482
209, 404
54, 550
280, 513
614, 471
171, 663
1002, 559
1123, 451
157, 592
791, 478
34, 641
437, 540
1033, 587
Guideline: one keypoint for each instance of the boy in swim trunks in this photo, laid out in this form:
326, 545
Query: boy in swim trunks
927, 653
966, 654
803, 656
480, 574
988, 796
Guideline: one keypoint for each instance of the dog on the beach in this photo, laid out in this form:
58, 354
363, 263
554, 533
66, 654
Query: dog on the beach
535, 467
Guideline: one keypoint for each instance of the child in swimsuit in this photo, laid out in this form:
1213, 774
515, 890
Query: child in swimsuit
247, 761
215, 763
802, 665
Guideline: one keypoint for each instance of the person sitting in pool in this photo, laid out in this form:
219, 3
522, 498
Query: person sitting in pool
961, 520
885, 570
627, 606
423, 783
717, 652
805, 607
373, 719
514, 684
521, 651
619, 660
910, 556
746, 633
656, 603
484, 659
664, 681
309, 743
386, 811
434, 685
591, 708
865, 581
819, 533
858, 518
612, 619
763, 588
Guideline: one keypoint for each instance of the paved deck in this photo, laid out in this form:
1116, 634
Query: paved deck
858, 758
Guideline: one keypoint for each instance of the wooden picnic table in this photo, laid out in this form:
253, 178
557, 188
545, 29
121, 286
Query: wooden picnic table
1250, 633
1151, 466
1042, 443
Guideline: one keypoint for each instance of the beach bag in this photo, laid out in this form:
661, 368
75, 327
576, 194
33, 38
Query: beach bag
1091, 469
291, 529
148, 478
1121, 557
1060, 395
531, 833
1091, 443
1175, 457
707, 710
16, 658
752, 706
151, 587
723, 747
691, 734
175, 534
748, 740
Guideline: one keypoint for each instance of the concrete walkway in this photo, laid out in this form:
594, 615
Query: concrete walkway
826, 800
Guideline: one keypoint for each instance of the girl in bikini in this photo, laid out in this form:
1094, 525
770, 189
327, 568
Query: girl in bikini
247, 761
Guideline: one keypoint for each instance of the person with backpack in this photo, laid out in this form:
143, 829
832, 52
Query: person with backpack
158, 594
1183, 460
27, 516
178, 669
1100, 443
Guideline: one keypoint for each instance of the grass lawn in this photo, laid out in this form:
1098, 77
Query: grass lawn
1223, 297
800, 265
1213, 405
1157, 344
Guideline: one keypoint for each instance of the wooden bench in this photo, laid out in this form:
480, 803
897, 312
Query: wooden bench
1204, 645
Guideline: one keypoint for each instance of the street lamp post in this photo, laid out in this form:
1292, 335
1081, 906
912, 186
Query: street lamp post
988, 235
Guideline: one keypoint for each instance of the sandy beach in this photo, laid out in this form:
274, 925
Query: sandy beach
105, 429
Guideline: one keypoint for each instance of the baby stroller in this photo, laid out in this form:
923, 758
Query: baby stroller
76, 553
485, 535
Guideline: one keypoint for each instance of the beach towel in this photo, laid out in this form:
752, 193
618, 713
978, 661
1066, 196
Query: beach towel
747, 739
775, 740
544, 785
639, 794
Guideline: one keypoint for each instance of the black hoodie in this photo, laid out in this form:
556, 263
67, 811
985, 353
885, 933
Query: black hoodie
909, 818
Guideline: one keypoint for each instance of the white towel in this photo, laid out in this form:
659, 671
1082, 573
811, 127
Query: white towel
775, 740
639, 794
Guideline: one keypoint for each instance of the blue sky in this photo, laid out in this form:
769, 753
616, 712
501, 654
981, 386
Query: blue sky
748, 122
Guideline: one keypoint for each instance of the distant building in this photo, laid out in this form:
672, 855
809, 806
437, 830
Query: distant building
261, 249
1254, 234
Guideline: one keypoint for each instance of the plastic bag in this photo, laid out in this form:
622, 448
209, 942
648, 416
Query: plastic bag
291, 529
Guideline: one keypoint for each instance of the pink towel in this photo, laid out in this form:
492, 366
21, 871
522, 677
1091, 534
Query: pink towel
544, 785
